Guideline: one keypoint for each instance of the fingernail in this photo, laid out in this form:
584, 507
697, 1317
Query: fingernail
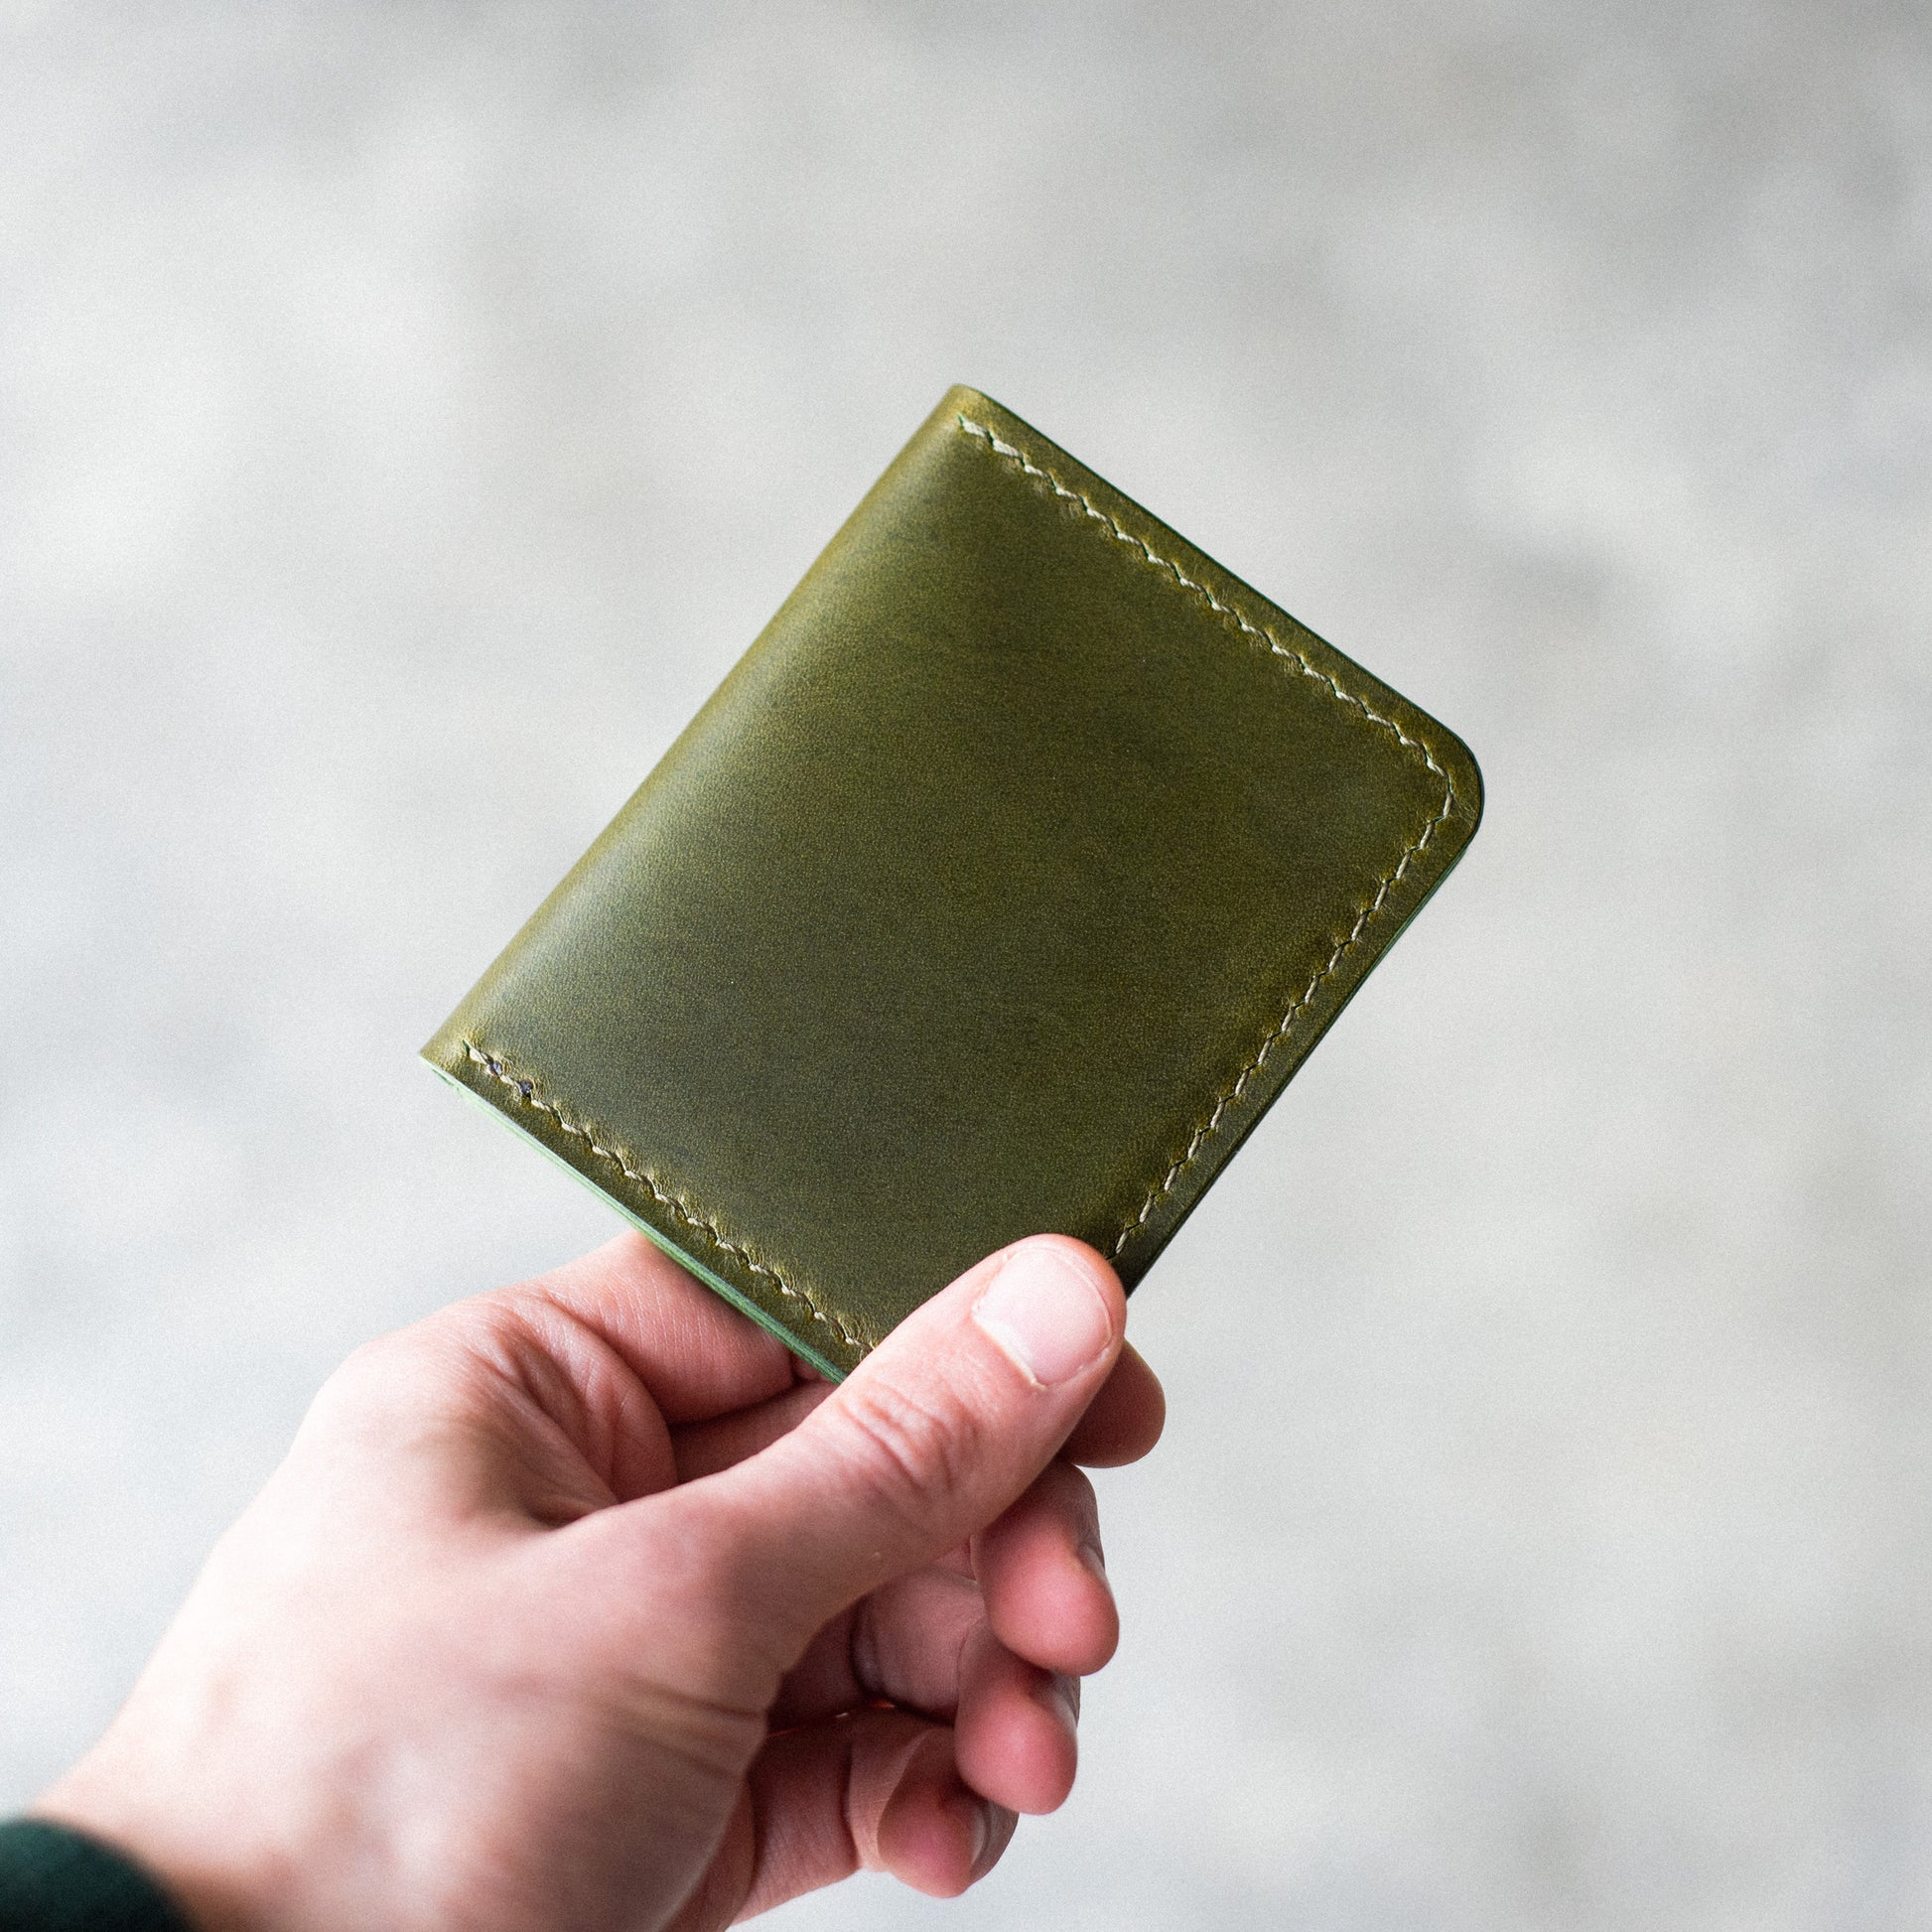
1063, 1693
1091, 1555
982, 1832
976, 1815
1045, 1314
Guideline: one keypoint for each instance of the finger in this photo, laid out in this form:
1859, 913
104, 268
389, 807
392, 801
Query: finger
1016, 1730
702, 1448
935, 1433
1043, 1578
1124, 1419
902, 1643
570, 1379
695, 1354
501, 1404
878, 1790
924, 1644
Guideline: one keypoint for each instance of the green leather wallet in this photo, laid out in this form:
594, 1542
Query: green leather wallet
999, 887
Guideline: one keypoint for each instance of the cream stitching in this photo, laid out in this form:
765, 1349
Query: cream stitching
526, 1090
1388, 883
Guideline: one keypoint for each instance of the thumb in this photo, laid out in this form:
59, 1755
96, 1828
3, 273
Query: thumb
937, 1433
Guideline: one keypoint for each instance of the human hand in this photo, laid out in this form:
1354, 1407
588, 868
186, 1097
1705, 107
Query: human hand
582, 1606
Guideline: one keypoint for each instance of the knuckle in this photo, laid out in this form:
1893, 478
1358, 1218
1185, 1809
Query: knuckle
439, 1373
915, 1455
366, 1379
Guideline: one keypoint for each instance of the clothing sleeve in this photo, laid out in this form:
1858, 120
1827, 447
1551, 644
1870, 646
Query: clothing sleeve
53, 1880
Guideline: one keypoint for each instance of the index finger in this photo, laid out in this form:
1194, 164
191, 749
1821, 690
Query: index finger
695, 1354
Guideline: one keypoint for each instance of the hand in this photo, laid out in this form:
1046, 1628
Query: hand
582, 1606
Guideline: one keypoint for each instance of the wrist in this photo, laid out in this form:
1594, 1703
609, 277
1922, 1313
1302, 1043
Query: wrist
129, 1813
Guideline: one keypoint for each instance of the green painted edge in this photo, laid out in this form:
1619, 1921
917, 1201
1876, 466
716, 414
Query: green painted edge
715, 1283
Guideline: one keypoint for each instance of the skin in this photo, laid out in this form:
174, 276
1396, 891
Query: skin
583, 1605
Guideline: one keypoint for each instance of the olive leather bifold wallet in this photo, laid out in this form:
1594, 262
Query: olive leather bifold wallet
998, 889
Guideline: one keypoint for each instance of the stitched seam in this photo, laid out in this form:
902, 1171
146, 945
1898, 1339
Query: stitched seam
1289, 655
525, 1090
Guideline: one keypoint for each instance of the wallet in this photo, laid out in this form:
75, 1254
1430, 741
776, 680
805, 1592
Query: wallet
999, 889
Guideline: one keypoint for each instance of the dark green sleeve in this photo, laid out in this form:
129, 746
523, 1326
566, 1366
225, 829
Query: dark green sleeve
56, 1880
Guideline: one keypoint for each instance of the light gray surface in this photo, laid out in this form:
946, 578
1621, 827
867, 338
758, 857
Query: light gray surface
408, 412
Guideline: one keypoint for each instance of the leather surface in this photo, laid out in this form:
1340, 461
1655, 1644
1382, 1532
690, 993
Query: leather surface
999, 887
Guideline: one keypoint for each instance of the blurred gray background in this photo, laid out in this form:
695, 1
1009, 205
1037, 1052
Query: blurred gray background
407, 413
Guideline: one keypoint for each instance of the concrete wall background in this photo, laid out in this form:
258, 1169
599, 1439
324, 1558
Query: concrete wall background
407, 413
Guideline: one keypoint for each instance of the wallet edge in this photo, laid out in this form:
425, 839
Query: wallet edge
455, 1071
